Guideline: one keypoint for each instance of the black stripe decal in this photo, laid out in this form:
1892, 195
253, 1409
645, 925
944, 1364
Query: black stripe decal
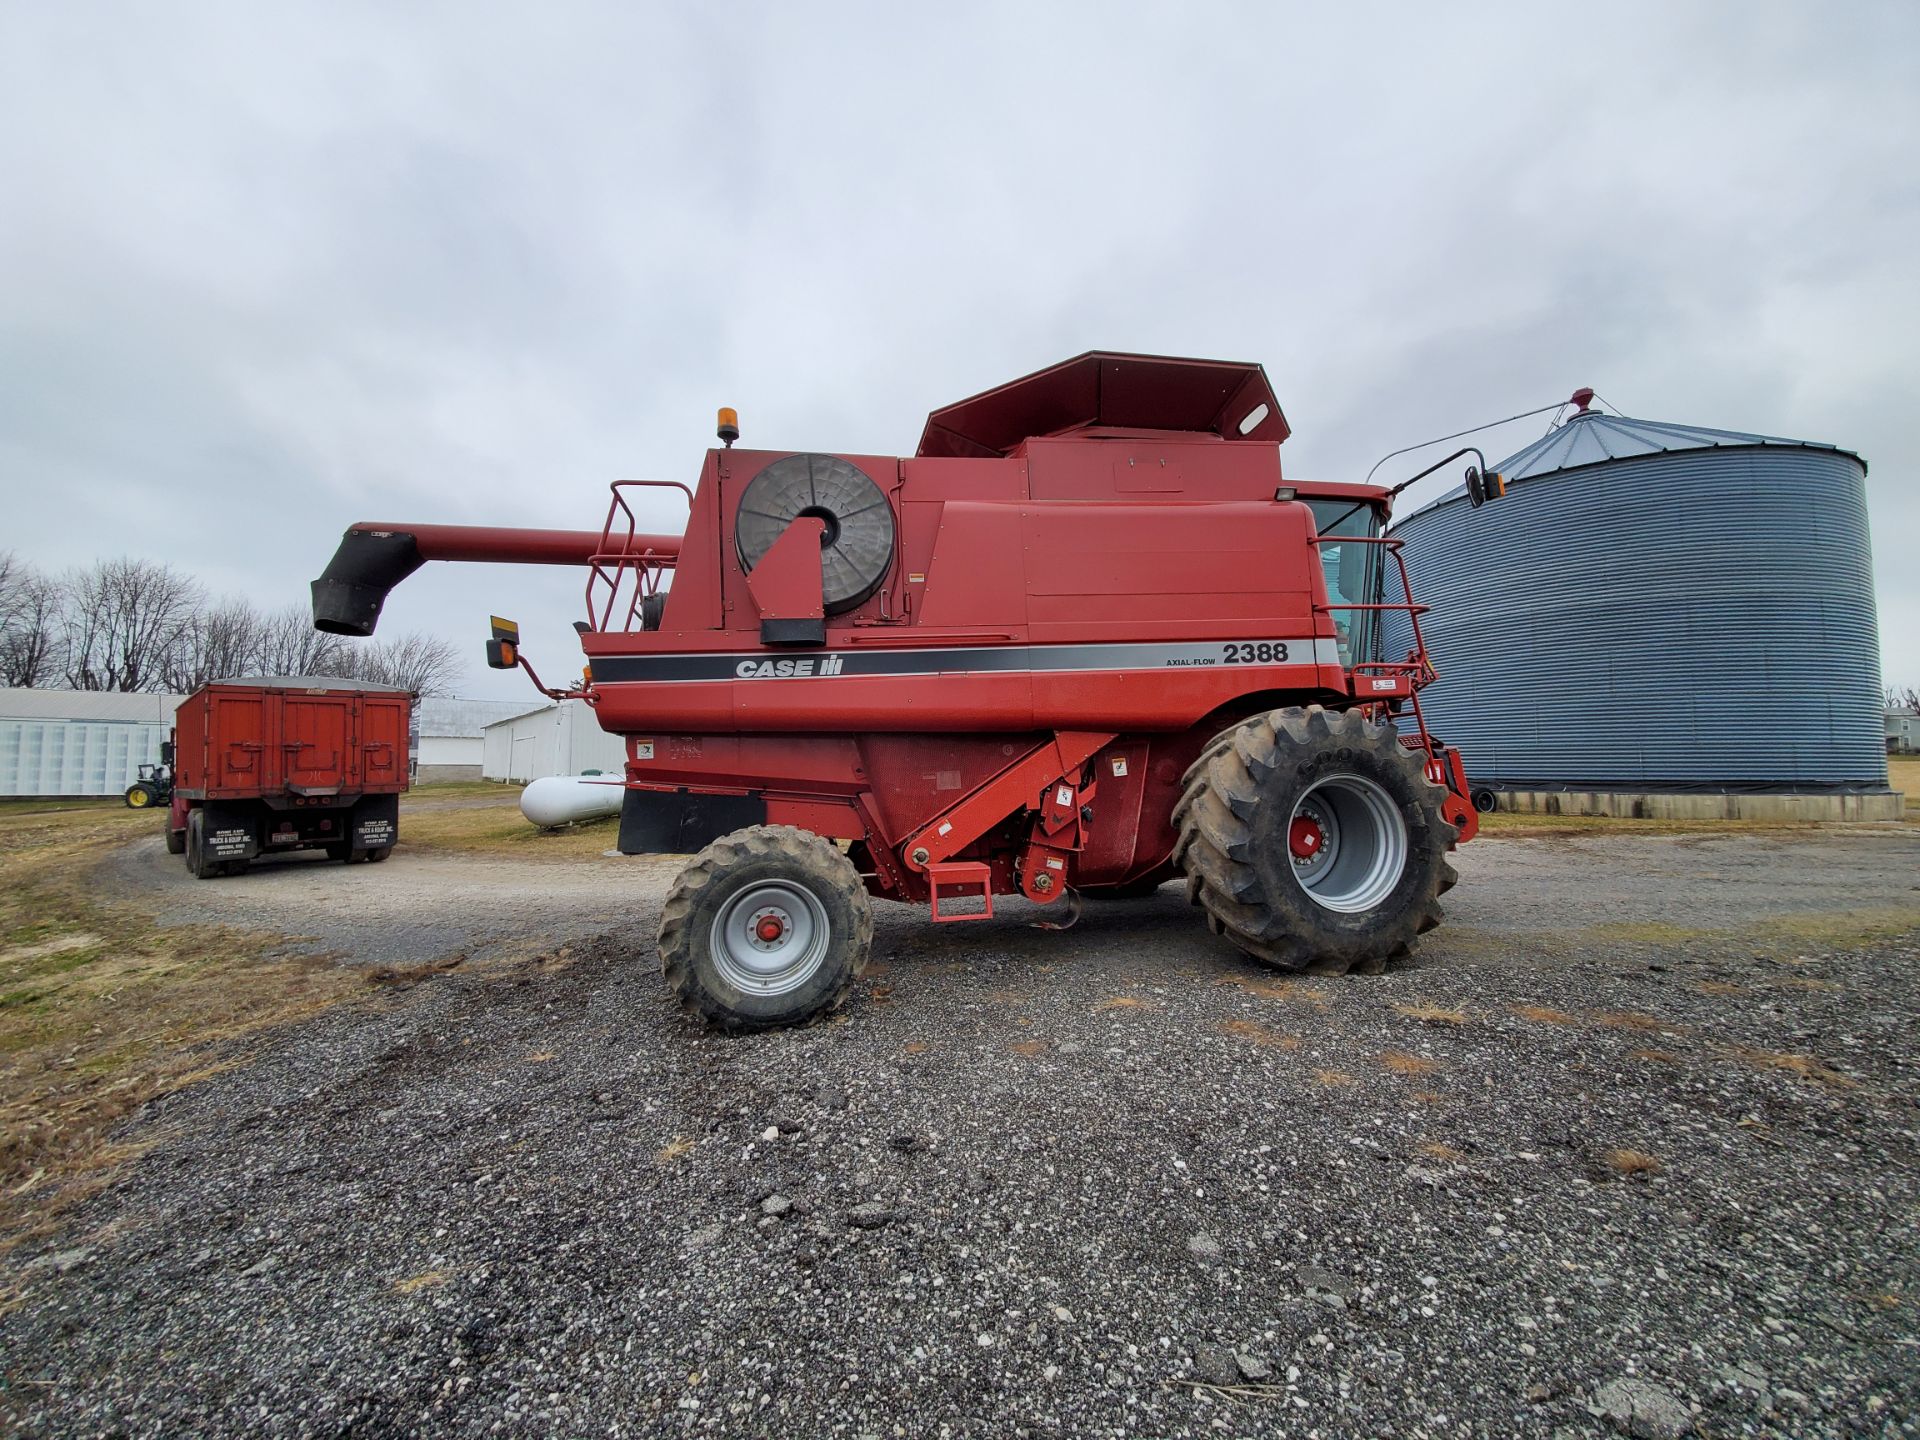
963, 660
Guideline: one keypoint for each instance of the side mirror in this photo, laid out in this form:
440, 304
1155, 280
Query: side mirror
166, 752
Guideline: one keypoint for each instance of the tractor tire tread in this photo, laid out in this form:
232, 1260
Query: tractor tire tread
1223, 793
819, 860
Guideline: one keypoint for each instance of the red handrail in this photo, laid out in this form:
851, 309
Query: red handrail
608, 564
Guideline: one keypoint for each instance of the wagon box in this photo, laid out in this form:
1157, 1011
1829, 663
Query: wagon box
272, 763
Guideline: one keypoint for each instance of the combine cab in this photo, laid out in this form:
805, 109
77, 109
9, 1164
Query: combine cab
1087, 640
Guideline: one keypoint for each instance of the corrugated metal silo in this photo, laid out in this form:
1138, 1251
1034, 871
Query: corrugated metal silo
1655, 607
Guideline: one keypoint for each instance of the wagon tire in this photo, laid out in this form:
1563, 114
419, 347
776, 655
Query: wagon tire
1314, 841
203, 866
378, 853
176, 839
767, 926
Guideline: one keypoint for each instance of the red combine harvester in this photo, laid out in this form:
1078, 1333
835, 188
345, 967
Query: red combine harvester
1086, 639
288, 762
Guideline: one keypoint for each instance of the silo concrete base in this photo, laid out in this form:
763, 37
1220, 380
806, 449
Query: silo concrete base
1631, 805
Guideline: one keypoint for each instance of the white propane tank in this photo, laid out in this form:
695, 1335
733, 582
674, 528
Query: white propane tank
564, 799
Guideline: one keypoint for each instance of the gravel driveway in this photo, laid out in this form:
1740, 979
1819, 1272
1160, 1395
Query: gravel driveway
1630, 1149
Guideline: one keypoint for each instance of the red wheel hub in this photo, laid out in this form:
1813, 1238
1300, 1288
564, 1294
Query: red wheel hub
769, 929
1305, 837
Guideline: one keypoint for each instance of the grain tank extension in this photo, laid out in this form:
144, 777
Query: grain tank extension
1086, 640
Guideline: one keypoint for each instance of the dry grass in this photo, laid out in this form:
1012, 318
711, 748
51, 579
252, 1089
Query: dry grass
102, 1011
1806, 1067
1333, 1079
425, 1280
1123, 1002
1903, 774
499, 828
1509, 826
1294, 992
1631, 1163
1430, 1014
1436, 1150
673, 1150
1029, 1048
1401, 1063
1542, 1014
1258, 1034
1631, 1020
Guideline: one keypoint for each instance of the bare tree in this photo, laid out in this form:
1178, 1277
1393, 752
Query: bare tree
424, 664
222, 641
287, 644
29, 623
1902, 697
121, 621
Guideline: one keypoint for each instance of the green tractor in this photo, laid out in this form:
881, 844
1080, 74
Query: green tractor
155, 785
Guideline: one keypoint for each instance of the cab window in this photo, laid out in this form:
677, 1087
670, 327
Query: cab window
1353, 574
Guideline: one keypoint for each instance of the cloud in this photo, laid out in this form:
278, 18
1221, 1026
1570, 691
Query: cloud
271, 271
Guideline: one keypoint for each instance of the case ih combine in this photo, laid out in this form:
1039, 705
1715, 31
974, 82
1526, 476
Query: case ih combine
1087, 638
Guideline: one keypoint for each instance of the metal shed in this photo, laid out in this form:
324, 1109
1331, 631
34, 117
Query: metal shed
562, 739
1656, 608
449, 735
79, 742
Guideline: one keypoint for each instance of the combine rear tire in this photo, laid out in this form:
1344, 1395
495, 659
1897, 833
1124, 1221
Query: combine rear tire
768, 926
1314, 840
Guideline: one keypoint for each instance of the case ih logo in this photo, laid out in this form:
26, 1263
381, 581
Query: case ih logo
789, 669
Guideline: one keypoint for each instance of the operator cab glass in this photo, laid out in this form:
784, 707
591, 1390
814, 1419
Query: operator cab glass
1353, 574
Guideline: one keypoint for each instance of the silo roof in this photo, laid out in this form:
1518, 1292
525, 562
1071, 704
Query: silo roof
1591, 437
1595, 438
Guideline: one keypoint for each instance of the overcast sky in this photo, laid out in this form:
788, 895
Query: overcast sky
272, 269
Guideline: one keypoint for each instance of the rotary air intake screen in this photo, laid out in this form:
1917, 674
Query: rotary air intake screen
856, 548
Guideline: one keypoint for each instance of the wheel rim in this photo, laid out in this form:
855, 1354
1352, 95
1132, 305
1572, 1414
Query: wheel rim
137, 799
770, 938
1347, 842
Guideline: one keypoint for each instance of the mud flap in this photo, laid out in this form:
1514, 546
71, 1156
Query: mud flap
682, 823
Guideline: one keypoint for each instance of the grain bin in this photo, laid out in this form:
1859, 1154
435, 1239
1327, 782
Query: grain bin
1658, 620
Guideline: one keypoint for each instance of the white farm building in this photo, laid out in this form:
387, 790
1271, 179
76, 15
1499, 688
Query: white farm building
560, 739
447, 735
79, 742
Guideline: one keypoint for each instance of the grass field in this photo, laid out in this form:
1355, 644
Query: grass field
101, 1010
497, 828
1903, 773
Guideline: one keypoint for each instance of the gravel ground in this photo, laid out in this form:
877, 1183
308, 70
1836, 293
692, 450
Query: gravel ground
1630, 1149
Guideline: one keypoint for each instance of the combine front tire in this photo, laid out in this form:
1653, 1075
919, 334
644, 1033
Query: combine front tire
1314, 840
765, 927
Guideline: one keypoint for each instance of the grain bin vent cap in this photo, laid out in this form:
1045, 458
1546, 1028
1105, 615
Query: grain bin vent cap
1593, 438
